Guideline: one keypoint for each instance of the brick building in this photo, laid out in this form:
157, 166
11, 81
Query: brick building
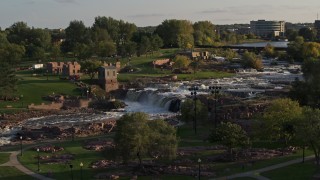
64, 68
107, 76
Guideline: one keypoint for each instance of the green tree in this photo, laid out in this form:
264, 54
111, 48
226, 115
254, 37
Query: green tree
181, 62
187, 111
250, 60
136, 136
10, 56
310, 50
308, 34
278, 120
90, 67
230, 135
163, 140
269, 51
308, 130
176, 33
204, 33
295, 48
132, 136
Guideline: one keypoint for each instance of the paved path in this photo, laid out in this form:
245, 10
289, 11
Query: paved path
256, 173
13, 162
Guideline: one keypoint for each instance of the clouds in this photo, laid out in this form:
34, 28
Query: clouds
65, 1
146, 15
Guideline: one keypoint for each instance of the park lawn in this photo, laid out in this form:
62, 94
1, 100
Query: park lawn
61, 171
294, 172
32, 88
11, 173
4, 157
225, 169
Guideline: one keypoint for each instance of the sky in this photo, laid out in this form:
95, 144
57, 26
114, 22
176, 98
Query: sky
58, 13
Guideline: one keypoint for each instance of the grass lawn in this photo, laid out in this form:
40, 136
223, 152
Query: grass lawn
297, 171
4, 157
11, 173
34, 87
63, 171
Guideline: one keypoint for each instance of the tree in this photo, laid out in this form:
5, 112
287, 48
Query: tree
176, 33
136, 136
10, 56
251, 60
145, 45
156, 42
310, 50
269, 51
187, 111
76, 34
163, 140
278, 120
308, 130
204, 33
230, 135
295, 48
308, 34
181, 62
90, 67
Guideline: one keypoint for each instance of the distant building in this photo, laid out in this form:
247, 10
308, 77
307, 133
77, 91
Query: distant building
265, 28
317, 27
193, 55
37, 66
108, 78
64, 68
117, 65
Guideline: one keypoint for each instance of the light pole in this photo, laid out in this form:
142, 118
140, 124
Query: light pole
47, 75
199, 161
194, 90
71, 166
87, 93
20, 145
72, 132
21, 96
81, 165
215, 91
38, 150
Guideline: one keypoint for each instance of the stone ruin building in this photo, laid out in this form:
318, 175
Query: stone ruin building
107, 76
64, 68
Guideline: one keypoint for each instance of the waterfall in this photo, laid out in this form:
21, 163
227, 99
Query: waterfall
152, 98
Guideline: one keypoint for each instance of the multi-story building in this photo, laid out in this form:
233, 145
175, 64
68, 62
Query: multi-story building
107, 76
64, 68
317, 27
265, 28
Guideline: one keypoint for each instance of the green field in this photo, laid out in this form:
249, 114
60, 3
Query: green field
294, 172
11, 173
4, 157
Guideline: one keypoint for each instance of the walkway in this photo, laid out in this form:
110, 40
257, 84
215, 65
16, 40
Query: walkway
256, 173
13, 162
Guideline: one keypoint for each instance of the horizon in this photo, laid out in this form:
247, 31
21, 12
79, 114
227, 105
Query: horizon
55, 14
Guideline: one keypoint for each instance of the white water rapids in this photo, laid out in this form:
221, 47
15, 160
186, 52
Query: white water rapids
155, 100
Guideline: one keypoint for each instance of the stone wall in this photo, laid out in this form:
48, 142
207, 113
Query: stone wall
42, 106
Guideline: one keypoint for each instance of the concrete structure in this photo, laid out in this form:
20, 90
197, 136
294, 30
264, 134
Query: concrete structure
107, 76
64, 68
265, 28
117, 65
317, 27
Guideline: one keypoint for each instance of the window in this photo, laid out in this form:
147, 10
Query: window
114, 73
108, 73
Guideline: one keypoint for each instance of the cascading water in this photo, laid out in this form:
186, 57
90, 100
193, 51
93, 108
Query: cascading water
151, 101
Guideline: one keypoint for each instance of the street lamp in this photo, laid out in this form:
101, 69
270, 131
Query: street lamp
87, 93
81, 165
215, 91
21, 145
194, 90
71, 166
38, 150
47, 75
21, 96
72, 132
199, 161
